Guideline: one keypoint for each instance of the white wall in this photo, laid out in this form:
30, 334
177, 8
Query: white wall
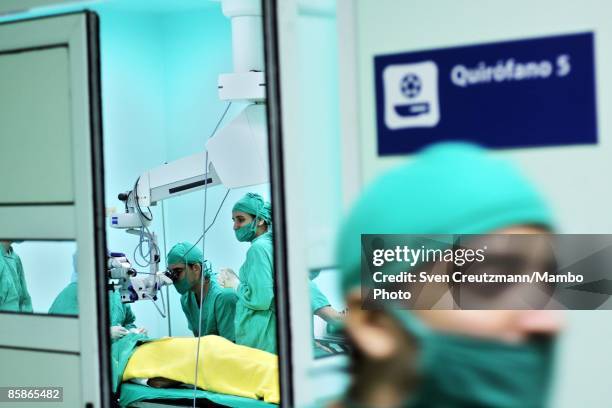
558, 171
320, 140
573, 178
320, 134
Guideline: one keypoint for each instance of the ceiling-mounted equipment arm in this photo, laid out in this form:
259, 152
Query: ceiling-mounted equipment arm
175, 178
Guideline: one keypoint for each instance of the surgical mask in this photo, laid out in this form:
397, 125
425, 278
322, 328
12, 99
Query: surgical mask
461, 371
246, 233
182, 285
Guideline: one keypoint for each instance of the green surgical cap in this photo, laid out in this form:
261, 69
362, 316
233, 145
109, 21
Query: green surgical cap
255, 205
185, 252
449, 188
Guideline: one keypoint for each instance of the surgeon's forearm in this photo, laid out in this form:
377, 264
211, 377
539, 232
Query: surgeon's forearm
329, 314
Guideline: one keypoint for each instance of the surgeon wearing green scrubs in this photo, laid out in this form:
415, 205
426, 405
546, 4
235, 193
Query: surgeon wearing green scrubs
255, 311
14, 295
193, 277
122, 319
446, 358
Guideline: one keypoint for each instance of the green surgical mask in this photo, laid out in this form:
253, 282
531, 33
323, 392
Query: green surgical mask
460, 371
246, 233
182, 285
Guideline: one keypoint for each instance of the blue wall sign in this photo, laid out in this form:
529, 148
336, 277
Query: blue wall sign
527, 93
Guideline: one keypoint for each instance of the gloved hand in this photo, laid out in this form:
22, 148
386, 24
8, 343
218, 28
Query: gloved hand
118, 332
228, 278
139, 330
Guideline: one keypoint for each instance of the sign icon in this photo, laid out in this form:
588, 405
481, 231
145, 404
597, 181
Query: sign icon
411, 95
411, 86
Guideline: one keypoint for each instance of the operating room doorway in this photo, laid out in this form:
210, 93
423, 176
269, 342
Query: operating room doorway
182, 102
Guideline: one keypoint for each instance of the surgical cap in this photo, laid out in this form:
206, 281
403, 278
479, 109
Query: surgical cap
255, 205
449, 188
185, 252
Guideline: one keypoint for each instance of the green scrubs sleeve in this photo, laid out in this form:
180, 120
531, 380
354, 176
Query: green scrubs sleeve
256, 289
25, 299
129, 321
5, 287
225, 310
317, 299
120, 314
67, 302
14, 294
255, 321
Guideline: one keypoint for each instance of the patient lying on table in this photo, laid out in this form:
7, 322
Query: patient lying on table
224, 367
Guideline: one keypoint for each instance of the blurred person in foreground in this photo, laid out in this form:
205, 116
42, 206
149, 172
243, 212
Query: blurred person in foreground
446, 358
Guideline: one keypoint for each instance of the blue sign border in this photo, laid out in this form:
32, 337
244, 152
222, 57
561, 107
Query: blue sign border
557, 112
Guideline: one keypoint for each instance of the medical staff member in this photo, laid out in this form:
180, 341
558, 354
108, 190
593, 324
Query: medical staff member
186, 261
255, 311
14, 295
446, 358
122, 319
321, 306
